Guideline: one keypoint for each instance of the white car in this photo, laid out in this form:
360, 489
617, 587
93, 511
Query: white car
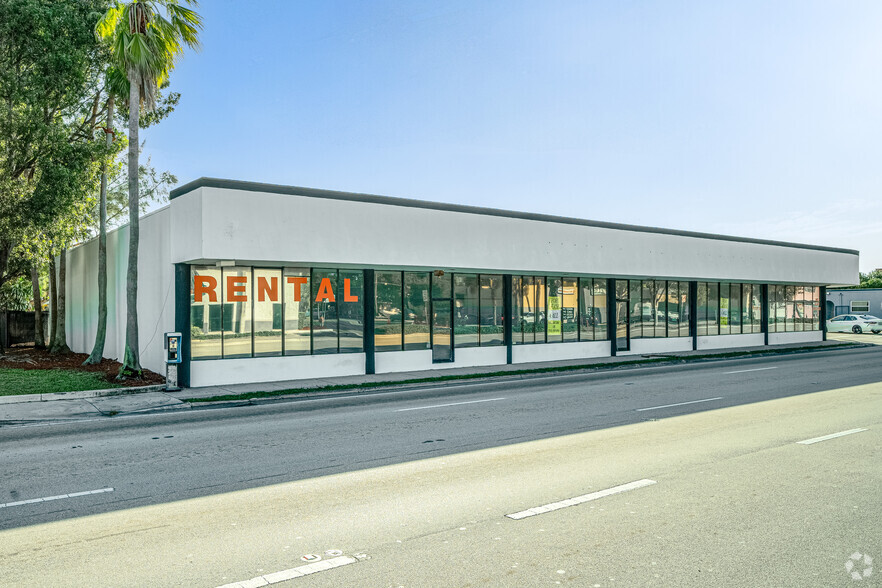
854, 323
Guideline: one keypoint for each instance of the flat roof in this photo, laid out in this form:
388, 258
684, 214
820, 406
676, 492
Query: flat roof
392, 201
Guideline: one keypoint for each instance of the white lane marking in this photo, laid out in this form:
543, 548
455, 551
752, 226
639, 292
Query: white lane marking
448, 404
679, 404
58, 497
290, 574
751, 370
832, 436
580, 499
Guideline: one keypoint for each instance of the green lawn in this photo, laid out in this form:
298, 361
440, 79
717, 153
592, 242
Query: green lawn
15, 381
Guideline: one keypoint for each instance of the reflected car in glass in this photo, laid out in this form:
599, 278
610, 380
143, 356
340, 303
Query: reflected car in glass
854, 323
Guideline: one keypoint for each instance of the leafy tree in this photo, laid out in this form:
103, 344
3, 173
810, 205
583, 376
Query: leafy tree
146, 39
49, 101
872, 279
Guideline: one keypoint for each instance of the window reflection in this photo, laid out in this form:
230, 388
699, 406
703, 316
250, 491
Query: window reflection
492, 310
298, 320
388, 327
205, 313
267, 312
350, 293
416, 310
236, 313
465, 310
325, 327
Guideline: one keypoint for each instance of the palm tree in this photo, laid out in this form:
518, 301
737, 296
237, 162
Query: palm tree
146, 39
101, 334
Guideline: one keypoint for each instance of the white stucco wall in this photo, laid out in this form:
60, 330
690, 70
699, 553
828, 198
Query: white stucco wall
155, 291
262, 227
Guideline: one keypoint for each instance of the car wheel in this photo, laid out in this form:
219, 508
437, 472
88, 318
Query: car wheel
876, 332
856, 330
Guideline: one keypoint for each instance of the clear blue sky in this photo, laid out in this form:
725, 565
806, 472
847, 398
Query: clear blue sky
760, 119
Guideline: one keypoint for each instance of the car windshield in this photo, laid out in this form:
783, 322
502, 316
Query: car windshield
870, 317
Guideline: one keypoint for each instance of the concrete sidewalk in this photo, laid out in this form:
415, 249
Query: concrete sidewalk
46, 408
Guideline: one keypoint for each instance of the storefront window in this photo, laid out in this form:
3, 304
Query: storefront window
600, 326
296, 288
541, 317
205, 313
465, 310
553, 297
570, 310
267, 296
388, 316
350, 302
587, 316
325, 327
236, 313
416, 310
492, 311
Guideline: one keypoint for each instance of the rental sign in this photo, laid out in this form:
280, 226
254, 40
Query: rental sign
236, 289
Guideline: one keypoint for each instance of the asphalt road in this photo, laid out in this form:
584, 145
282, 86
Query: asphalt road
160, 458
736, 500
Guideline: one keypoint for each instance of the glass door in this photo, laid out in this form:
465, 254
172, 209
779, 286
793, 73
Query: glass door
442, 317
623, 334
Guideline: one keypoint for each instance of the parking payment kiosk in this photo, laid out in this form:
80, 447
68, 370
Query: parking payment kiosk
172, 359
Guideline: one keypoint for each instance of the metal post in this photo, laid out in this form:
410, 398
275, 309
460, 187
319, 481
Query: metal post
611, 314
764, 303
182, 320
693, 314
507, 314
368, 335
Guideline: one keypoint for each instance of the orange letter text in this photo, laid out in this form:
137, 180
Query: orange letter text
264, 288
347, 297
298, 282
325, 292
236, 289
204, 285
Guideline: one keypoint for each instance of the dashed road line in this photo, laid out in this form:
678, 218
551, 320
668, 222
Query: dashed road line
580, 499
448, 404
831, 436
299, 571
751, 370
58, 497
680, 403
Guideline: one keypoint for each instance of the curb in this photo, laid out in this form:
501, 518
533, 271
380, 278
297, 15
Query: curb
80, 395
319, 392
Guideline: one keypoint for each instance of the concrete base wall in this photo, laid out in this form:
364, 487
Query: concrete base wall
724, 341
663, 345
559, 351
218, 372
803, 337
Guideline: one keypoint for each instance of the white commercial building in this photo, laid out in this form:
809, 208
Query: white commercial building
271, 283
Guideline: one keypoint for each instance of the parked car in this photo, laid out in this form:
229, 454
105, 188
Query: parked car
855, 323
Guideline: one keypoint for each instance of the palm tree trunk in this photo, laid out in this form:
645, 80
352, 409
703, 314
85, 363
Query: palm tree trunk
53, 299
59, 343
131, 364
101, 333
39, 341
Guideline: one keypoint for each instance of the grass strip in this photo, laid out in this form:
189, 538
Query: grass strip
14, 382
542, 370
